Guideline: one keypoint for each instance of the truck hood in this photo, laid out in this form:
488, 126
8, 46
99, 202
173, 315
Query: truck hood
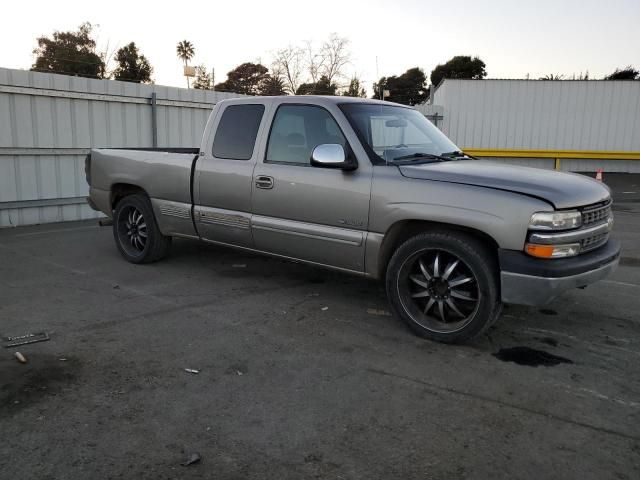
562, 190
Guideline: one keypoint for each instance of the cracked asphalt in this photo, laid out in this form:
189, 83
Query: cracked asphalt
290, 389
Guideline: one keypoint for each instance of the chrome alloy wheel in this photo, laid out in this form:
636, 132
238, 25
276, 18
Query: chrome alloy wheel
132, 230
438, 290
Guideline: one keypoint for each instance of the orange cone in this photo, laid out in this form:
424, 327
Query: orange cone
599, 175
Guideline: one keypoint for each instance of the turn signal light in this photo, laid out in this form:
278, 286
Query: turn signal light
552, 251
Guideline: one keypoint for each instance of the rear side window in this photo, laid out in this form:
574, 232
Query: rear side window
297, 130
237, 131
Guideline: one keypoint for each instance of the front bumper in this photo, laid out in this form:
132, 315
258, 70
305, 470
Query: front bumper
532, 281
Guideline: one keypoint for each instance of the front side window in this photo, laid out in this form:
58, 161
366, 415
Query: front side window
392, 132
237, 131
297, 130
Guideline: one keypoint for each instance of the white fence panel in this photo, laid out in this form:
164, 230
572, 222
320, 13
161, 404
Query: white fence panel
48, 122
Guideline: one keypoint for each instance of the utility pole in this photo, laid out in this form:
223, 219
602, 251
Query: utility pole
378, 79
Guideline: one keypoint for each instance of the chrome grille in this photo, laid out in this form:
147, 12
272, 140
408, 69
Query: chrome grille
593, 242
592, 215
596, 213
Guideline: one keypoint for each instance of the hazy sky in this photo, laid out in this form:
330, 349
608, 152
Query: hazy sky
513, 37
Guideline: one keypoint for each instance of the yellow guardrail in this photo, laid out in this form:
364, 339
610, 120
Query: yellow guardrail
557, 155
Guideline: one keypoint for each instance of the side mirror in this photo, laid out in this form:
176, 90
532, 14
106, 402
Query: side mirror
331, 155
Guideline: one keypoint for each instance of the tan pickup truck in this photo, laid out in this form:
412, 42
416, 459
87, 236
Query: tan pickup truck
370, 188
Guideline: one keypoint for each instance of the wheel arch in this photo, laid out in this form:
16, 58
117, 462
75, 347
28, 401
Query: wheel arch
402, 230
121, 190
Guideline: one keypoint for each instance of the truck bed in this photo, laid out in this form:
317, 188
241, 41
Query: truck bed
163, 173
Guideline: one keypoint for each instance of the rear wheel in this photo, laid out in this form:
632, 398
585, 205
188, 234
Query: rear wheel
444, 286
135, 231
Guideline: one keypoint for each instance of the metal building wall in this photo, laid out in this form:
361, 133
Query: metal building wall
48, 123
544, 115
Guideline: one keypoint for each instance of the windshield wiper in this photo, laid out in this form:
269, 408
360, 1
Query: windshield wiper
458, 154
420, 156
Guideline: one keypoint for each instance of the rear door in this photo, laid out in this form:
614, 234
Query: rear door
223, 176
310, 213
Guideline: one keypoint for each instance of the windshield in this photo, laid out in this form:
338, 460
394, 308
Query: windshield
390, 133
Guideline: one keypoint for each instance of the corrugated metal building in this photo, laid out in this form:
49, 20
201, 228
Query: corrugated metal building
555, 119
48, 123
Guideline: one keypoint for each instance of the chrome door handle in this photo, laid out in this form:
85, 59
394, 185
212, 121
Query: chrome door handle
263, 181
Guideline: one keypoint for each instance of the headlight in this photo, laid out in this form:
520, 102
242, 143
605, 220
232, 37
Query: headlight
555, 220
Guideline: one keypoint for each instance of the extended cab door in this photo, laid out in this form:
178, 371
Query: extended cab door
223, 175
305, 212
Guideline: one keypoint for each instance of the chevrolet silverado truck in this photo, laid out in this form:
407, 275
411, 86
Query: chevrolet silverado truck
370, 188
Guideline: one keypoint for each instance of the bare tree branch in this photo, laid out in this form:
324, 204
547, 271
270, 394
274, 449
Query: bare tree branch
288, 64
335, 56
311, 65
315, 61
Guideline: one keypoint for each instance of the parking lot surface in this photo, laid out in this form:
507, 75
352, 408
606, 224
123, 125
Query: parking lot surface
302, 374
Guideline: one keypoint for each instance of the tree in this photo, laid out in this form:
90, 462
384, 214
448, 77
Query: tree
410, 88
272, 85
627, 73
355, 89
203, 80
289, 63
335, 56
322, 87
314, 62
72, 53
185, 51
247, 78
552, 76
329, 61
459, 67
132, 67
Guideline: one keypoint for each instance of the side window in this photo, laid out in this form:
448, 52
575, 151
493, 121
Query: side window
237, 131
297, 130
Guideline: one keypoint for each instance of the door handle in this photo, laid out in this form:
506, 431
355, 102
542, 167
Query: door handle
263, 181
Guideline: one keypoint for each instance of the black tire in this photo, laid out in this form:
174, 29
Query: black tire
136, 232
446, 307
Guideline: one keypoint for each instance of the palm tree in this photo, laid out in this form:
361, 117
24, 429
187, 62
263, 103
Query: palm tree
185, 51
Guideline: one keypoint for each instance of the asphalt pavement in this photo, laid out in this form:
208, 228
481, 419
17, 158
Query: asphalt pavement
301, 372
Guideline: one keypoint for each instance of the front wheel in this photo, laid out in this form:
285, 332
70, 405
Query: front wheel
136, 232
444, 286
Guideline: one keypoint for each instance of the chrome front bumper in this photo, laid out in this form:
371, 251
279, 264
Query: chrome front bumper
529, 281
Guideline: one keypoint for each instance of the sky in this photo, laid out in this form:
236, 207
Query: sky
513, 37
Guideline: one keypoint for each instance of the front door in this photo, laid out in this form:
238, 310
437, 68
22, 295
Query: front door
223, 177
304, 212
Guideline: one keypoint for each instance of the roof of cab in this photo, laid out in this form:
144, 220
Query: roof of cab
312, 99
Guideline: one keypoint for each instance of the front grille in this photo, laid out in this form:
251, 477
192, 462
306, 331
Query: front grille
596, 213
591, 243
593, 215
